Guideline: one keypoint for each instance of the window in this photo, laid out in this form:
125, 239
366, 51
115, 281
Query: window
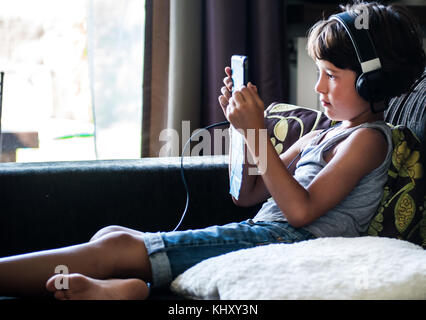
72, 79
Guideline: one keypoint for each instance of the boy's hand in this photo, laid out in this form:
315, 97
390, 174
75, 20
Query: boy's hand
226, 91
245, 109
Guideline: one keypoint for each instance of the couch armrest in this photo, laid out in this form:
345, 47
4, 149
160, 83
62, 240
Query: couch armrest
47, 205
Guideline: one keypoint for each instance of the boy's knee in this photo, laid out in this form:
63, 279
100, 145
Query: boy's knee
104, 231
119, 240
125, 252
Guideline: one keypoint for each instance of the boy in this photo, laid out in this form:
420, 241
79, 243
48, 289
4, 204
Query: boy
309, 201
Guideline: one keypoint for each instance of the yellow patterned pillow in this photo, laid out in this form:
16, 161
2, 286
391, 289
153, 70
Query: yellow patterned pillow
402, 212
286, 123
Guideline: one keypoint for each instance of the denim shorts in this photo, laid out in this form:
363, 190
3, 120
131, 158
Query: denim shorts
171, 253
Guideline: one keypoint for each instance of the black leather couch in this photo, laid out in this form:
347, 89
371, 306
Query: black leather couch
49, 205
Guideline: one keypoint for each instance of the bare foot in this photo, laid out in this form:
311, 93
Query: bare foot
81, 287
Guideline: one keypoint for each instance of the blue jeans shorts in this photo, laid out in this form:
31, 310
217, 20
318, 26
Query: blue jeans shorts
171, 253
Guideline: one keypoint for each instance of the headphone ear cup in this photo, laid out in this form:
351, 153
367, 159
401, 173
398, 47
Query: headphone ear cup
362, 87
371, 86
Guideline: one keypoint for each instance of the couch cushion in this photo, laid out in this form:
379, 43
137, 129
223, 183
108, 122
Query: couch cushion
402, 212
409, 109
286, 123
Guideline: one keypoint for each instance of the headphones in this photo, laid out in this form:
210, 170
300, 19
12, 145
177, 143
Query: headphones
371, 83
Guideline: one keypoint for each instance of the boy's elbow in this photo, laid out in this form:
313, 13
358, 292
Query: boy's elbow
298, 221
241, 202
235, 201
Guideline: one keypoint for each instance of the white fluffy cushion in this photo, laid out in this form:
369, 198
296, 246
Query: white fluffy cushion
325, 268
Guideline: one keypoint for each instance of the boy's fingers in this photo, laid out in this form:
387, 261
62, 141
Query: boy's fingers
257, 99
238, 97
251, 85
228, 83
223, 102
251, 96
247, 94
225, 92
228, 80
232, 102
253, 91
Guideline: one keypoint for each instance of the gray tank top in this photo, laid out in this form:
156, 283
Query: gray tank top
352, 215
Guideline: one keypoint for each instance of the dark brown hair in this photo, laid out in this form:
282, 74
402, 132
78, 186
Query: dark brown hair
395, 33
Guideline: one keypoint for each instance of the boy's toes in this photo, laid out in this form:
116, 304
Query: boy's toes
56, 284
60, 295
50, 284
59, 284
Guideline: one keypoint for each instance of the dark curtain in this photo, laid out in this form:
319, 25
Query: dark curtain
256, 28
155, 77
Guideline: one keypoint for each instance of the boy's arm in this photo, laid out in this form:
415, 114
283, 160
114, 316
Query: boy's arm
356, 156
253, 188
335, 181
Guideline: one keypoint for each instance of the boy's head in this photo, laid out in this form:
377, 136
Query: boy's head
395, 34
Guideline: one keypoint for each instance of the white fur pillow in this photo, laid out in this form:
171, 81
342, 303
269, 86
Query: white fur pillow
324, 268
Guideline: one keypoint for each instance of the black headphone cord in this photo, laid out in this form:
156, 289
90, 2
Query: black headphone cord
182, 170
218, 124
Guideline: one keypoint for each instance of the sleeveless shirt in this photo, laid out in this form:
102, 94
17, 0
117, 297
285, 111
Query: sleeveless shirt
352, 215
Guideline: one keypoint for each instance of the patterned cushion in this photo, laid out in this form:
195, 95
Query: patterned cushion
286, 123
402, 211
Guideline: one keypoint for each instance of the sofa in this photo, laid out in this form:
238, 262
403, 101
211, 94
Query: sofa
49, 205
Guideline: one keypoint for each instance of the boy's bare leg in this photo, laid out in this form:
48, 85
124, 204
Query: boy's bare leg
115, 255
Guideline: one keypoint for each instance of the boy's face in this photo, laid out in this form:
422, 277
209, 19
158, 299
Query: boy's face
338, 95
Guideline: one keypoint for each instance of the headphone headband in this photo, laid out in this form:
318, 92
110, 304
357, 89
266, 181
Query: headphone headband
371, 84
361, 41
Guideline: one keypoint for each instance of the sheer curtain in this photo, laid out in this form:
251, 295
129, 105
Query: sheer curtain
188, 44
115, 49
